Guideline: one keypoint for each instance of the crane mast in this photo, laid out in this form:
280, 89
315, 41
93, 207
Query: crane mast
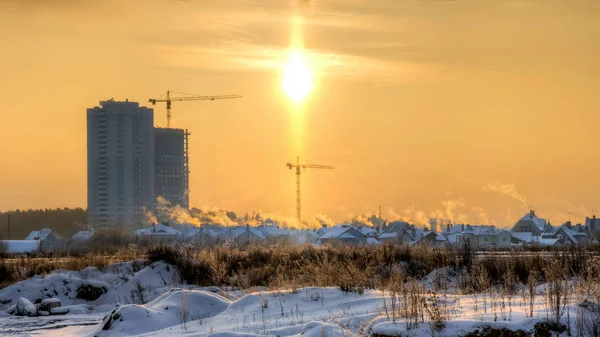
298, 168
189, 97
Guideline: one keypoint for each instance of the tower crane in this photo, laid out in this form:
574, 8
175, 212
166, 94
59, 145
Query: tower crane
298, 167
167, 98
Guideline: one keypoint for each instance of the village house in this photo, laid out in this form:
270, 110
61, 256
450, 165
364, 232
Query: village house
82, 236
344, 234
530, 223
157, 232
49, 241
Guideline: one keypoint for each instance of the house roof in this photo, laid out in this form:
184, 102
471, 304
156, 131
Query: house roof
530, 216
336, 232
21, 246
159, 230
547, 242
238, 231
523, 236
83, 235
190, 232
438, 237
391, 235
568, 232
366, 230
273, 231
41, 234
396, 226
453, 230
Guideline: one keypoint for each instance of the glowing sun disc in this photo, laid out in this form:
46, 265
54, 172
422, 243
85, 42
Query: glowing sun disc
297, 79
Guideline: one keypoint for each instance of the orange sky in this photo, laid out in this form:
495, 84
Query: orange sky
419, 104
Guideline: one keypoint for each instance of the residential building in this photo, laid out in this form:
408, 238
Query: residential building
429, 237
344, 234
530, 223
82, 236
49, 241
120, 141
158, 232
592, 224
171, 171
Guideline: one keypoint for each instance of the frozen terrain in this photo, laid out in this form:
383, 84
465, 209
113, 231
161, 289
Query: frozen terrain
108, 304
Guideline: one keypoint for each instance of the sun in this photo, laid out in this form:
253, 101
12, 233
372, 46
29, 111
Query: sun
297, 79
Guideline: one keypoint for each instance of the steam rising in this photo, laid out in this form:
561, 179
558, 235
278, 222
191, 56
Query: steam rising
178, 215
508, 190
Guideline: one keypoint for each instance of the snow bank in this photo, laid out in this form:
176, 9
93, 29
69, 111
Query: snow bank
130, 282
165, 311
320, 329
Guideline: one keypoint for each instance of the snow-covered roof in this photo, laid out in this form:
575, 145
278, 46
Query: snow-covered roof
190, 232
440, 238
83, 235
568, 233
547, 242
453, 230
530, 216
273, 231
523, 236
238, 231
336, 232
396, 226
369, 231
41, 234
21, 246
423, 234
391, 235
159, 230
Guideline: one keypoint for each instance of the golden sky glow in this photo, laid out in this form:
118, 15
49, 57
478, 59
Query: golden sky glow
419, 105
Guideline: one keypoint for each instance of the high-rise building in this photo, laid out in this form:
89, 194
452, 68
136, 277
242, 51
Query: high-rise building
120, 138
171, 180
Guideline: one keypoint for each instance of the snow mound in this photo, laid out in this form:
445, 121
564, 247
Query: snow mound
248, 301
388, 329
129, 282
320, 329
25, 308
233, 334
165, 311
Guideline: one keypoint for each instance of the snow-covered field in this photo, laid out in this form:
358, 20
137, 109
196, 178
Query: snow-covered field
102, 303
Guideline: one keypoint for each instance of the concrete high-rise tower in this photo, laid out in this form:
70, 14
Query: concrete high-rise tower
120, 138
171, 180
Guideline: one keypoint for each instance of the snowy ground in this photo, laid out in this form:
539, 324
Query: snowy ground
310, 312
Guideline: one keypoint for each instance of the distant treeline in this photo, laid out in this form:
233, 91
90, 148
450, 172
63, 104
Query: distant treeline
65, 221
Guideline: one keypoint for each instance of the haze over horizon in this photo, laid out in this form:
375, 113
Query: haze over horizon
466, 110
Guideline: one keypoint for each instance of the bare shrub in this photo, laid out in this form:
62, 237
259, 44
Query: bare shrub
532, 283
588, 319
202, 318
184, 310
557, 296
138, 293
436, 313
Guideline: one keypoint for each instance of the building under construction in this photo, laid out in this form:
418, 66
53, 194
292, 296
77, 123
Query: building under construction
171, 170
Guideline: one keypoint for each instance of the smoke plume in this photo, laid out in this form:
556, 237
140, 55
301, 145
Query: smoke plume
508, 190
